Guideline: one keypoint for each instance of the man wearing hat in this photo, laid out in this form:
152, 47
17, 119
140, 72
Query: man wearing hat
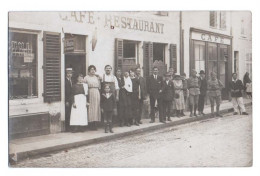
203, 91
167, 97
194, 90
68, 103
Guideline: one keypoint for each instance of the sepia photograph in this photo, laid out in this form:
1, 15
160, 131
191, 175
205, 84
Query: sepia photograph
130, 89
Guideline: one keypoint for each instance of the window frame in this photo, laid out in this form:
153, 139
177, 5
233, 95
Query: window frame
30, 32
216, 19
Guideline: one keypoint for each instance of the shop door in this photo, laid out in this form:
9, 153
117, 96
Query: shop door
159, 58
223, 70
77, 63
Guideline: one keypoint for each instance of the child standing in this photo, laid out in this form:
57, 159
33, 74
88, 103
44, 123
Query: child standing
108, 104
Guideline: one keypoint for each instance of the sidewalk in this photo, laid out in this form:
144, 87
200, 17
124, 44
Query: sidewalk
26, 147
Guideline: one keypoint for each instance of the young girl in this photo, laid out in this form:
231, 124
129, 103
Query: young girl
79, 112
108, 104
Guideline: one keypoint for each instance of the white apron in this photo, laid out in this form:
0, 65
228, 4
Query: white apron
79, 115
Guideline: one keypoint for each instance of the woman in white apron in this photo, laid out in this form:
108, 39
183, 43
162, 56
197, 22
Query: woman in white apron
79, 112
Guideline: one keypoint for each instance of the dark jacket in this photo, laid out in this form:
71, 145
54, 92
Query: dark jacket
68, 90
108, 104
142, 82
168, 91
238, 85
154, 86
203, 86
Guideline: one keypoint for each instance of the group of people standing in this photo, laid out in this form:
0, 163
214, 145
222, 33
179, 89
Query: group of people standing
108, 98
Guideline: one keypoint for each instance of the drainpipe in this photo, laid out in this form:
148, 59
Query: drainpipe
181, 45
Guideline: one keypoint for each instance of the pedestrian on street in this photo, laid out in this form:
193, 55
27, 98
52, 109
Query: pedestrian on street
214, 88
167, 97
135, 96
79, 111
236, 87
203, 91
119, 106
185, 90
154, 89
173, 109
178, 96
142, 94
125, 99
194, 91
248, 85
93, 82
108, 105
68, 102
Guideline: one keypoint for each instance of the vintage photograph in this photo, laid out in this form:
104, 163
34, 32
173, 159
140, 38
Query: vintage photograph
130, 89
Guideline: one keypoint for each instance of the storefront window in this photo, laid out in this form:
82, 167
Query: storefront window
158, 52
213, 58
249, 64
223, 63
22, 65
199, 53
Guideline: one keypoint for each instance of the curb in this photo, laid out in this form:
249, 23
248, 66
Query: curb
24, 155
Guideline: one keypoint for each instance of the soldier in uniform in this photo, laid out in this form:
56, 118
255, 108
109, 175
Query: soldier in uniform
203, 91
214, 92
194, 91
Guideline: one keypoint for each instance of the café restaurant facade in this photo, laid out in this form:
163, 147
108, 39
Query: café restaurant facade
43, 44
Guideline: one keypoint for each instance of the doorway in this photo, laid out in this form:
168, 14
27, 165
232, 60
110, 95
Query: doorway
77, 62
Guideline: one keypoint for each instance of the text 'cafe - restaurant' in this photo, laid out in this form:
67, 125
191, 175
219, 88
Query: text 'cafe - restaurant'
43, 44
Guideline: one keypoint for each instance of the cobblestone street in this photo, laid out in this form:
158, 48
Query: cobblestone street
214, 142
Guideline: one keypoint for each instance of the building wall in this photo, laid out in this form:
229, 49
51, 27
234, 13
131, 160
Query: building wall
95, 25
242, 42
199, 20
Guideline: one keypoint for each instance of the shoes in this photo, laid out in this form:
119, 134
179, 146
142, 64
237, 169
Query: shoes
190, 114
195, 115
136, 123
140, 122
244, 113
152, 121
162, 121
235, 113
169, 119
212, 115
219, 115
199, 113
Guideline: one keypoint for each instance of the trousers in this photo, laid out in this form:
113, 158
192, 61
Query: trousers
238, 101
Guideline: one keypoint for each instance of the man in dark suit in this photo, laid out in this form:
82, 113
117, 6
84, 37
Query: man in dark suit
203, 91
68, 103
142, 94
167, 96
154, 87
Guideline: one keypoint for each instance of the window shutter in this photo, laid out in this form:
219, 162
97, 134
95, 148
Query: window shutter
119, 54
173, 56
52, 66
213, 19
223, 20
148, 58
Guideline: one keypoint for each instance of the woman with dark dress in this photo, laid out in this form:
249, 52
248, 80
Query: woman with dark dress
79, 112
248, 85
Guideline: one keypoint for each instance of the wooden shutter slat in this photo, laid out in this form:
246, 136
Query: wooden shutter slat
147, 58
119, 53
52, 69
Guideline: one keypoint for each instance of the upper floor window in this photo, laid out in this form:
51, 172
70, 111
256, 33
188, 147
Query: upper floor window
222, 18
243, 31
213, 19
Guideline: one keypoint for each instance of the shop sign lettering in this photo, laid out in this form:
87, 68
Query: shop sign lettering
210, 38
113, 22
